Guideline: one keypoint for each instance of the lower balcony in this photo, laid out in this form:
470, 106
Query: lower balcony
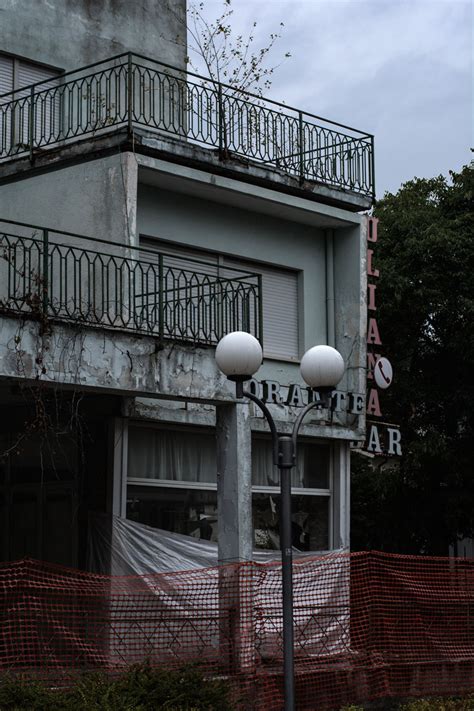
51, 275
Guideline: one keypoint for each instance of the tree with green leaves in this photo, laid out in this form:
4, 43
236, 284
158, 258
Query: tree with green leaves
425, 313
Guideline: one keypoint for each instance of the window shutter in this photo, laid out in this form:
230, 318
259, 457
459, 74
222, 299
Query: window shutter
6, 85
280, 308
179, 258
6, 75
189, 290
47, 104
280, 290
29, 73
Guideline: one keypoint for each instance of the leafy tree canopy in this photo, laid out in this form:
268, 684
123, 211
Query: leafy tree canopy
425, 313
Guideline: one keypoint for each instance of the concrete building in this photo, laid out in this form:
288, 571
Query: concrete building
145, 213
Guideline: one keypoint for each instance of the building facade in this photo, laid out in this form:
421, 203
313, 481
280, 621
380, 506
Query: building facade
145, 213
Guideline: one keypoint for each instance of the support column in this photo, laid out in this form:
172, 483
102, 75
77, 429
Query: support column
234, 483
235, 537
341, 495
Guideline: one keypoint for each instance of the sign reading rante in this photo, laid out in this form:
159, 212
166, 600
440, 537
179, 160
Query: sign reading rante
294, 395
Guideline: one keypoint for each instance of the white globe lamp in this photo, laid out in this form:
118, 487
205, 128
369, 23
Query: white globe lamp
322, 367
239, 355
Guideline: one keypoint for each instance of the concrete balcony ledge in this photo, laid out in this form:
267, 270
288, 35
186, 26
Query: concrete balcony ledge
115, 363
178, 151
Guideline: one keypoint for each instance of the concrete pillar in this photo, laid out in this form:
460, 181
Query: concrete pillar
341, 495
235, 537
234, 483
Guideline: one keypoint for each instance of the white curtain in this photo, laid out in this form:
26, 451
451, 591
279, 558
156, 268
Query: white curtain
179, 455
264, 473
171, 455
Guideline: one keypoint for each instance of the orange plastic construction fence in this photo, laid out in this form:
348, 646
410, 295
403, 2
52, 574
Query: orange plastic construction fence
367, 625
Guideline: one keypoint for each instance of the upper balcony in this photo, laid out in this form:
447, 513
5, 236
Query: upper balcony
205, 122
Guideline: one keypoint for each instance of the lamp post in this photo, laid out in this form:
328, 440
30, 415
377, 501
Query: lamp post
239, 356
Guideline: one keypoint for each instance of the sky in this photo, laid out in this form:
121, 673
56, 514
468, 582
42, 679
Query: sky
400, 69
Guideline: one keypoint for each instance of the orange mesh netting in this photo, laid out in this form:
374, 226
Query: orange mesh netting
367, 625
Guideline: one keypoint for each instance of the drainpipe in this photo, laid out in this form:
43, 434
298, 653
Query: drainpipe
330, 296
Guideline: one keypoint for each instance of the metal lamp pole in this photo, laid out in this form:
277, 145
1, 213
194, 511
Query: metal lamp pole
284, 457
239, 355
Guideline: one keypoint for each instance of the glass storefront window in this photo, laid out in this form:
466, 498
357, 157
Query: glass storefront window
190, 455
311, 471
188, 511
173, 480
194, 513
309, 522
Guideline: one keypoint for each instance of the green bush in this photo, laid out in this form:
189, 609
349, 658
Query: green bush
433, 704
142, 688
466, 704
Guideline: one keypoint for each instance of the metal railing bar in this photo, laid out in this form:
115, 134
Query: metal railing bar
97, 240
351, 142
79, 285
197, 108
247, 93
63, 74
236, 92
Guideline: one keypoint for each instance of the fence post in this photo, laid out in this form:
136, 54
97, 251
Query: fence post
220, 109
130, 93
161, 306
301, 145
372, 167
45, 275
31, 122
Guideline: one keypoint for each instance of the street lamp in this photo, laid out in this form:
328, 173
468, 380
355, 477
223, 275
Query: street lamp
239, 356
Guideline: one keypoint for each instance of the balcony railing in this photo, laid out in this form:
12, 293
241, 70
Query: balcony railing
61, 275
132, 91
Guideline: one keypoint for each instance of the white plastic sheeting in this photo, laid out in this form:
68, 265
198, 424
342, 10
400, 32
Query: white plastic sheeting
118, 546
321, 585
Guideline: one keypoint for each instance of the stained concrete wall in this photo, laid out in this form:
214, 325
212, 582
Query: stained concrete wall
95, 199
67, 34
127, 365
350, 297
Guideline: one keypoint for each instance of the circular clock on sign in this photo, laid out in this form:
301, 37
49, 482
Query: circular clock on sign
383, 373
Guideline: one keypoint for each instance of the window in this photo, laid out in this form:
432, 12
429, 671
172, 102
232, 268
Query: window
280, 307
172, 485
279, 286
15, 74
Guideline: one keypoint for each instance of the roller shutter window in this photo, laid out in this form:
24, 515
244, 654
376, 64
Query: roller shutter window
190, 287
17, 75
6, 74
280, 290
280, 308
6, 85
47, 103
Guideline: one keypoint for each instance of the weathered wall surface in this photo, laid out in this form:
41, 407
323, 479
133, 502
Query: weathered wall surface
67, 34
350, 277
126, 365
95, 199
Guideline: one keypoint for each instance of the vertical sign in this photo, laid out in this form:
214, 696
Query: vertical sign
382, 438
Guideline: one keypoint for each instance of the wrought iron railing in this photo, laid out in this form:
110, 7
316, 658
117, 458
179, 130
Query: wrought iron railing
133, 91
61, 275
